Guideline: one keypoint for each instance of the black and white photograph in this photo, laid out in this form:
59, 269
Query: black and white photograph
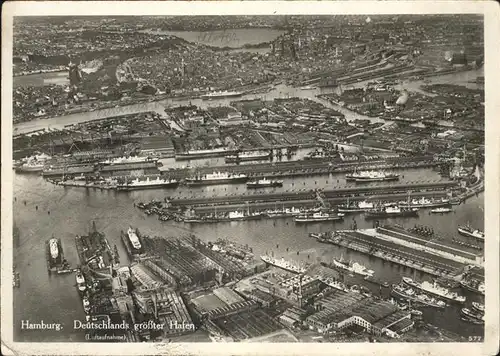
226, 179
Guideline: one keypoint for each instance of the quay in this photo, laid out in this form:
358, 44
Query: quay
307, 203
436, 187
431, 257
305, 167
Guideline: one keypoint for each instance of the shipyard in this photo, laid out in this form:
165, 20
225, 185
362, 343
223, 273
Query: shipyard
318, 184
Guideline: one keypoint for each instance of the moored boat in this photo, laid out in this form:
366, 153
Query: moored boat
474, 286
472, 314
80, 281
435, 289
441, 210
471, 232
128, 159
355, 207
391, 211
248, 156
283, 264
353, 267
478, 307
371, 176
264, 183
317, 217
221, 95
213, 152
147, 183
283, 213
217, 178
409, 294
134, 239
86, 305
424, 202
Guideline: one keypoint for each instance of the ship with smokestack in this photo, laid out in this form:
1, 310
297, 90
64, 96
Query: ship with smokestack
221, 95
371, 176
248, 156
132, 241
56, 263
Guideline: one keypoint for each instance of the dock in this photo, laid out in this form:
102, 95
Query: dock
434, 188
369, 242
318, 166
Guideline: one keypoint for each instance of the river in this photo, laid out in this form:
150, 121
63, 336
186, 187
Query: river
55, 299
232, 38
278, 91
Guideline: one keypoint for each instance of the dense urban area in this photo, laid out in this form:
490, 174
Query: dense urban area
243, 178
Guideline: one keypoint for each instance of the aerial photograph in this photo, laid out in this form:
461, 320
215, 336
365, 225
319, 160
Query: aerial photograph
298, 178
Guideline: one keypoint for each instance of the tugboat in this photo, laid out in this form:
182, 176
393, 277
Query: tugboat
472, 315
478, 307
265, 183
470, 232
86, 305
391, 211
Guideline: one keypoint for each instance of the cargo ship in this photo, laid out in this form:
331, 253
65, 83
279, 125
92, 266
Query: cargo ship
334, 283
355, 207
248, 156
283, 213
221, 95
283, 264
474, 286
231, 216
264, 183
80, 281
32, 164
406, 293
391, 211
214, 152
424, 203
148, 184
129, 159
317, 217
202, 219
55, 257
371, 176
470, 232
217, 178
354, 267
441, 210
134, 239
434, 289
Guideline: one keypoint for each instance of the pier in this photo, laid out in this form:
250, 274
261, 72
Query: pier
399, 253
319, 166
434, 188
